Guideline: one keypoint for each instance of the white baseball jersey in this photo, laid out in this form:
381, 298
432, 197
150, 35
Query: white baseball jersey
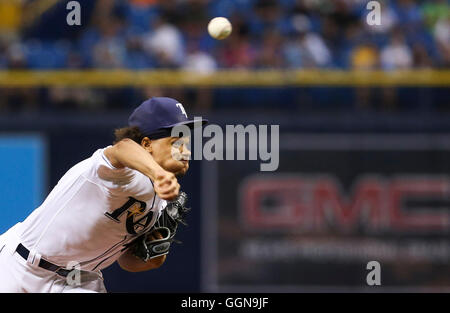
94, 210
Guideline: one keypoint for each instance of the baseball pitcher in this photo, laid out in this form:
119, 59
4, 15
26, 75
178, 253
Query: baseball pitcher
122, 204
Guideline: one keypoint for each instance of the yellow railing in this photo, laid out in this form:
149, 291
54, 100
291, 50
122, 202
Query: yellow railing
225, 78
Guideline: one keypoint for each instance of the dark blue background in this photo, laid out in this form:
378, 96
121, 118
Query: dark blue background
72, 138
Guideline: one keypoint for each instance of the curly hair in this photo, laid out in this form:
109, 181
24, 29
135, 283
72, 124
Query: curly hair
133, 133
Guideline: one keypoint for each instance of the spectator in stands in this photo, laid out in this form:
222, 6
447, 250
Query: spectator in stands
165, 44
435, 11
199, 61
10, 17
365, 57
409, 14
15, 56
268, 56
109, 51
267, 16
442, 37
421, 57
397, 54
238, 51
305, 48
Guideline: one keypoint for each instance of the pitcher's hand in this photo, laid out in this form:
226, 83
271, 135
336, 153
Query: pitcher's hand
166, 185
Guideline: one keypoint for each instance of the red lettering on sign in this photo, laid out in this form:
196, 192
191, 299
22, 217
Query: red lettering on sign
427, 187
319, 204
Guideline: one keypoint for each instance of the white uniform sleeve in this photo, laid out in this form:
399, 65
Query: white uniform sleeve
118, 181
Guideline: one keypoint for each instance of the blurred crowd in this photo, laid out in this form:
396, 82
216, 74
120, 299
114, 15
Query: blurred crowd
140, 34
281, 34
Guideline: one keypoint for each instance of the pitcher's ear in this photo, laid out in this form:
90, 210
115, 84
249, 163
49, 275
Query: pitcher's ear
146, 143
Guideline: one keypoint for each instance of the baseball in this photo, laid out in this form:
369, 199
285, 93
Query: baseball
219, 28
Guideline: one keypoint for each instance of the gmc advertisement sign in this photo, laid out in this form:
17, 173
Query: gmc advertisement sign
336, 203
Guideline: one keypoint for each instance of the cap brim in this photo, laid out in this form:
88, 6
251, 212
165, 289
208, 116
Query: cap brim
167, 131
191, 124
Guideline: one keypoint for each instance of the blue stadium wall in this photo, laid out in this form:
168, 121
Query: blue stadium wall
65, 140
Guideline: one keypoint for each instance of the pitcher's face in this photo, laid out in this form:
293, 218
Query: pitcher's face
171, 153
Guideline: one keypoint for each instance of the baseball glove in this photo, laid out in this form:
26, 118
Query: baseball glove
146, 246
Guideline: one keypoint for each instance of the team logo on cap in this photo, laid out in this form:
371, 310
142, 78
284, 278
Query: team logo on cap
180, 106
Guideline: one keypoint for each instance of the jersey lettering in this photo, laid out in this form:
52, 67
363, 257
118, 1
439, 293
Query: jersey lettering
136, 220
